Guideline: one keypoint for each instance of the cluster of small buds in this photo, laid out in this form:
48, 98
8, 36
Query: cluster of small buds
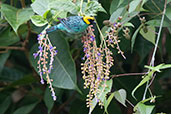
112, 38
96, 66
143, 20
45, 65
126, 33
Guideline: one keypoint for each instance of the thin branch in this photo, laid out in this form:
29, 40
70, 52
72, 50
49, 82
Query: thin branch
5, 51
3, 25
23, 3
155, 48
11, 48
156, 5
81, 5
24, 44
129, 74
74, 1
149, 14
130, 103
154, 75
158, 37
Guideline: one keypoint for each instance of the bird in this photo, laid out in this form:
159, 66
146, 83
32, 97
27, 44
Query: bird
72, 24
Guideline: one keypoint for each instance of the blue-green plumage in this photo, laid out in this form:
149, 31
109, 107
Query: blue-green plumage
73, 25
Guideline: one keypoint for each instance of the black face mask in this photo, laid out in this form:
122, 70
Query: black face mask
91, 21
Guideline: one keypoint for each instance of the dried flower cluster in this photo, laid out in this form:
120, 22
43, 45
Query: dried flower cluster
45, 65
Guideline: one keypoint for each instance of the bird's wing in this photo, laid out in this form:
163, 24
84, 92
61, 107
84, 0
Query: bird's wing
66, 22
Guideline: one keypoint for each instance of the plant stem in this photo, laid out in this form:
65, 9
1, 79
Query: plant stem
156, 5
102, 37
129, 74
81, 5
155, 48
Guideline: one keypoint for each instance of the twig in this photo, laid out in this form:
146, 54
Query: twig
152, 80
28, 35
4, 25
11, 47
129, 74
130, 103
156, 5
81, 5
155, 48
4, 49
23, 3
150, 14
74, 1
158, 37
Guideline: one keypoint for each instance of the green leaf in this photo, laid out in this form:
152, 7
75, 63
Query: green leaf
120, 96
141, 108
14, 16
114, 5
64, 6
105, 88
149, 35
116, 14
134, 37
158, 67
38, 20
26, 109
168, 1
143, 81
3, 59
164, 66
40, 6
5, 104
128, 16
32, 1
48, 100
157, 22
133, 5
168, 13
128, 24
92, 8
144, 109
11, 74
137, 5
106, 104
8, 37
93, 105
64, 72
143, 48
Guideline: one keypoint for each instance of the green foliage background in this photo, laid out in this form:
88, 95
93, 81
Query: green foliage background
20, 90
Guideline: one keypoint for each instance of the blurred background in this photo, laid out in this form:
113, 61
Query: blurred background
21, 91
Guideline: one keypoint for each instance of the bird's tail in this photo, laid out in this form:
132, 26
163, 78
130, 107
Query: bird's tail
51, 29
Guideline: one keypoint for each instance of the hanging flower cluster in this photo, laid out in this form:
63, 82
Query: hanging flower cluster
45, 65
98, 60
112, 38
95, 69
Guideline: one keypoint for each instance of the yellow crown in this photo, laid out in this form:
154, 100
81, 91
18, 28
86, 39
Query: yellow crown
87, 18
